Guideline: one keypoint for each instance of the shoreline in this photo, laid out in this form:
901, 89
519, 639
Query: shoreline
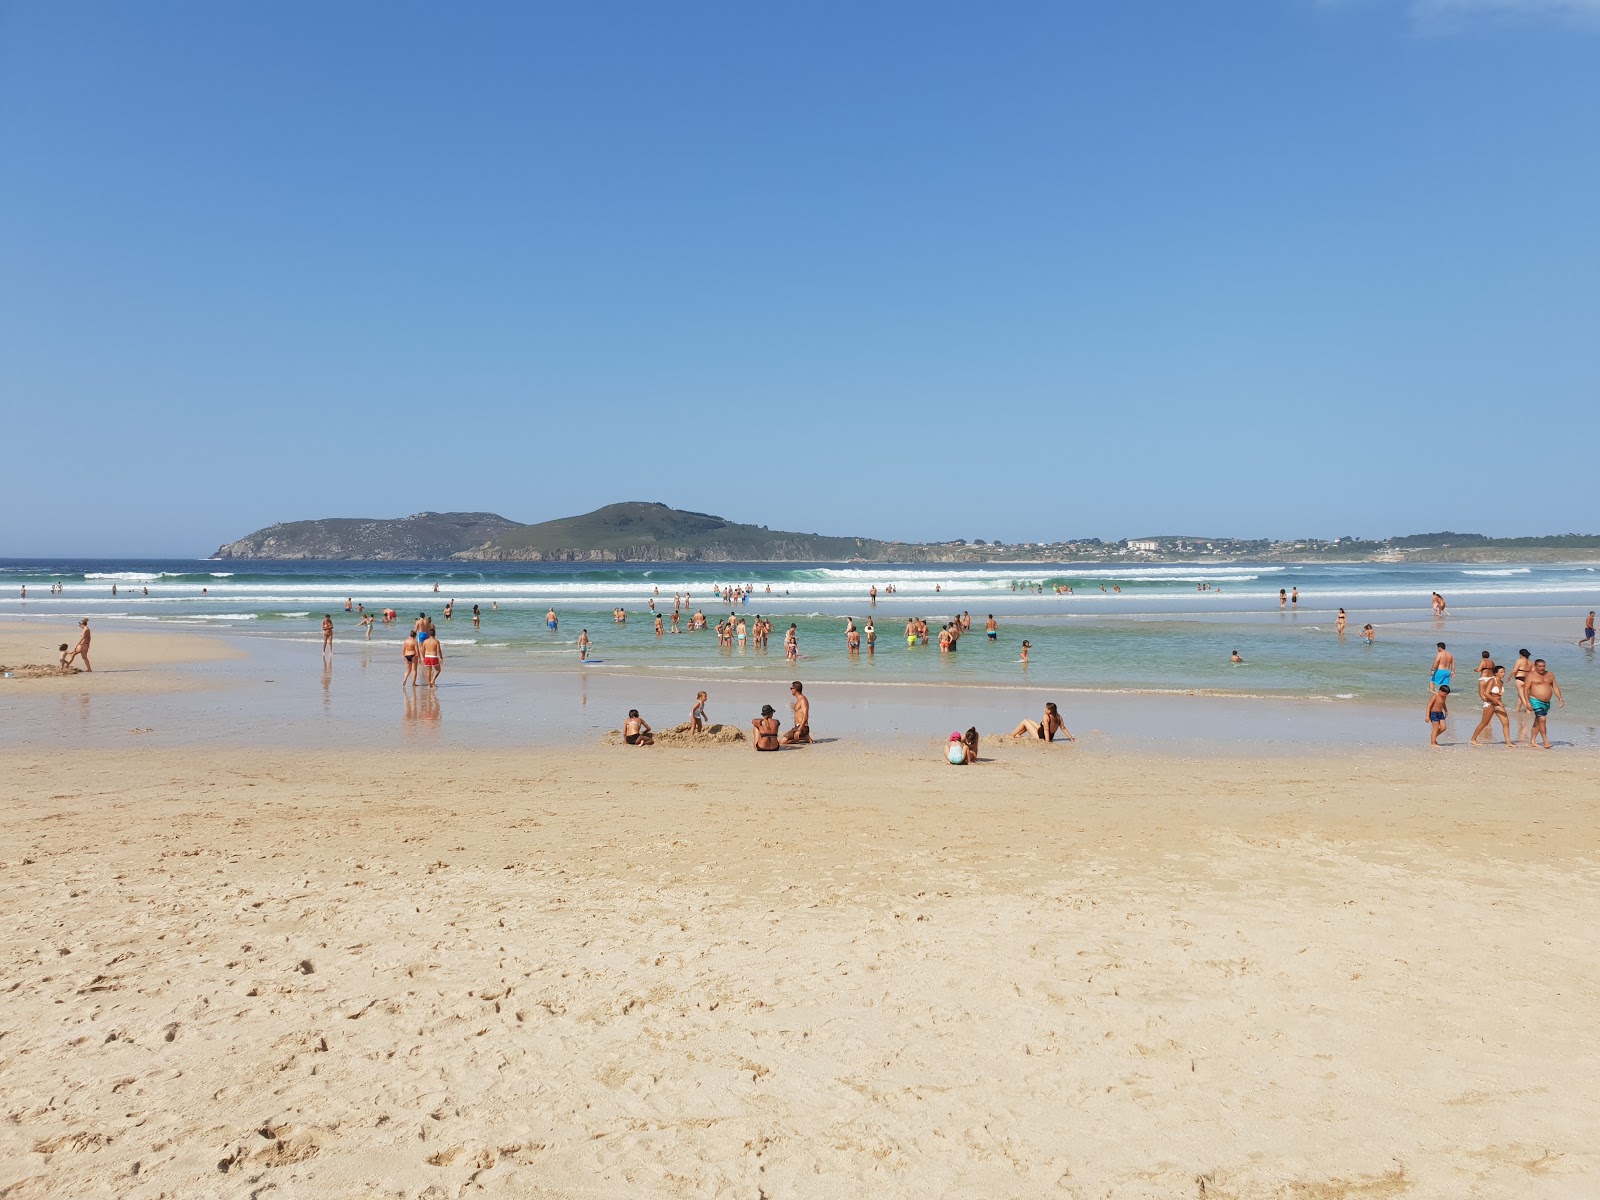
217, 688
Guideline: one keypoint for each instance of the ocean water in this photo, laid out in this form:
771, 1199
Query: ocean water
1158, 634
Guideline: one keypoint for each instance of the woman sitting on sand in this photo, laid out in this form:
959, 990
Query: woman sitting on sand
766, 727
1046, 729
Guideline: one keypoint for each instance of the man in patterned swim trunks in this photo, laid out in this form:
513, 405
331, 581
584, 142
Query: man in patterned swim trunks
1542, 688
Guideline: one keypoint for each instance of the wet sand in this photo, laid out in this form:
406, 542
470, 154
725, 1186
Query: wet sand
827, 972
123, 662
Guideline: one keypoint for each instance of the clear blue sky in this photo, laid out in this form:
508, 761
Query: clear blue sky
916, 270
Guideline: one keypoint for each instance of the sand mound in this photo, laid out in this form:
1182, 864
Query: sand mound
38, 671
682, 735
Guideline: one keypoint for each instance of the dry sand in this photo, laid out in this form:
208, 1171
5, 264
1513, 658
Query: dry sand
826, 972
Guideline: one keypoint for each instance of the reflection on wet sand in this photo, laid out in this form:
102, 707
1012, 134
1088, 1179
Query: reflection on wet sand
422, 711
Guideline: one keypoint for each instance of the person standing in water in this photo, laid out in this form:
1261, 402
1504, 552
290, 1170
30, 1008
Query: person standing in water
583, 645
1444, 664
1338, 624
1588, 632
327, 633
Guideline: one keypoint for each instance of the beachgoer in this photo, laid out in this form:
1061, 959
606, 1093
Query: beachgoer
477, 617
801, 731
697, 715
1438, 713
1444, 663
1047, 728
1339, 621
991, 628
1026, 646
1235, 658
955, 751
81, 650
766, 727
583, 645
1492, 692
962, 749
791, 644
367, 620
872, 637
1283, 597
1519, 676
1542, 688
550, 619
659, 630
411, 651
66, 658
636, 730
347, 604
327, 633
1294, 597
1588, 631
1369, 633
432, 657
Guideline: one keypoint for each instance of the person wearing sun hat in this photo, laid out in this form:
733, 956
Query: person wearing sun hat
766, 727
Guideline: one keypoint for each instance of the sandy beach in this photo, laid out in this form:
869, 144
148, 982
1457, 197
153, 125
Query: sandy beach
828, 972
124, 663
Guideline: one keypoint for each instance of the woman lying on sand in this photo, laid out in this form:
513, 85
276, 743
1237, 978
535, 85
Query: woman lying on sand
1046, 729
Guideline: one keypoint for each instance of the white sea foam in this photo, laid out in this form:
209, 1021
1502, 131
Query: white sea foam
1504, 571
134, 576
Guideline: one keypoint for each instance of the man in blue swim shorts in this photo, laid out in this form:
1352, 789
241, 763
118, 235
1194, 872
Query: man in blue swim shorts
1443, 664
1542, 689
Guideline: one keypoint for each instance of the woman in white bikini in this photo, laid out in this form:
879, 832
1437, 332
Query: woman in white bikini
1492, 691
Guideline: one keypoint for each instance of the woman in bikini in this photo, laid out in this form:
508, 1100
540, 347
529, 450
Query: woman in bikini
766, 729
1492, 691
1046, 729
1519, 676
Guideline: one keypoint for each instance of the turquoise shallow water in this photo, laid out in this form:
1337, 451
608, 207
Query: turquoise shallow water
1158, 634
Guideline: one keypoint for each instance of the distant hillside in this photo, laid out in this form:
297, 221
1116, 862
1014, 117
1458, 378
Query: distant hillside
630, 532
640, 532
424, 536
